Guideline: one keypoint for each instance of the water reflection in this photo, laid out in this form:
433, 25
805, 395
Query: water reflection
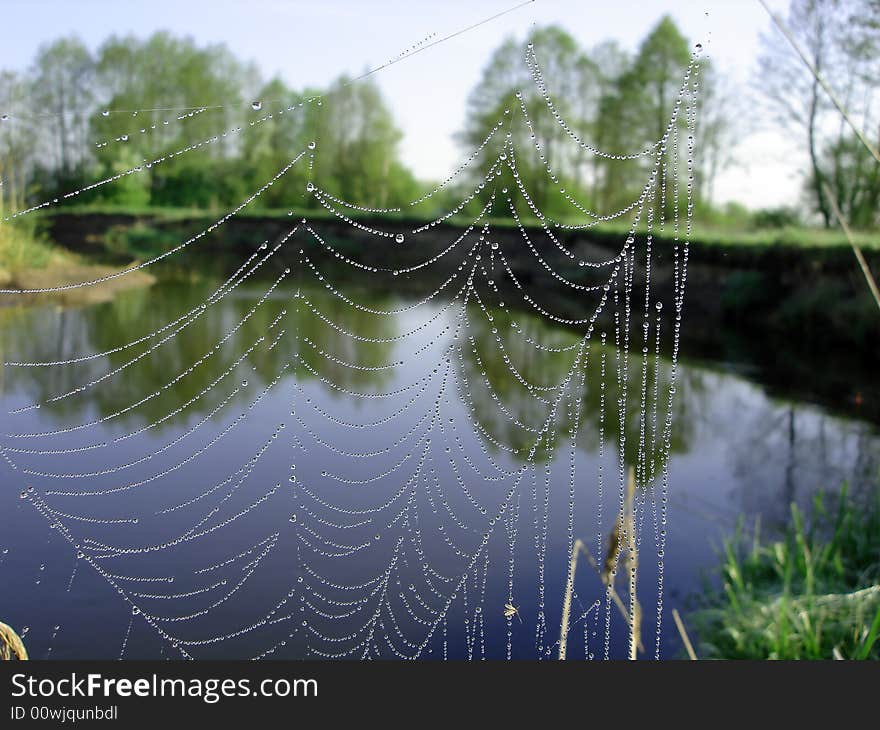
312, 335
732, 449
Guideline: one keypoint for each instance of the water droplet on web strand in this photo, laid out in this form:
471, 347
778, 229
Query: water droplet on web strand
256, 105
399, 238
105, 113
311, 145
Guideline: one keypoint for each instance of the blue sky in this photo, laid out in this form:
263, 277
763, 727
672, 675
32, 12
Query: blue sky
312, 41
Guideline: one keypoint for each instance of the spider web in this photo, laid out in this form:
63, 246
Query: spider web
413, 518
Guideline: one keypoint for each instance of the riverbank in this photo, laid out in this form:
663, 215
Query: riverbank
29, 260
811, 593
702, 235
795, 317
22, 249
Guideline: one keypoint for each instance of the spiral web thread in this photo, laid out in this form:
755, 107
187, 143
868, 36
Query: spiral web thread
399, 488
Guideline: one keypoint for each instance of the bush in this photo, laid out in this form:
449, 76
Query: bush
776, 218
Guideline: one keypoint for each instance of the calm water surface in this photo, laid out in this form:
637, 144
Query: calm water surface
381, 524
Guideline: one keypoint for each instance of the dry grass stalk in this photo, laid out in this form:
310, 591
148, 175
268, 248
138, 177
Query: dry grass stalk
679, 624
872, 284
821, 80
606, 575
11, 645
635, 625
566, 603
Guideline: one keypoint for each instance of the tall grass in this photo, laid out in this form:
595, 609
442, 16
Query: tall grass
23, 247
814, 593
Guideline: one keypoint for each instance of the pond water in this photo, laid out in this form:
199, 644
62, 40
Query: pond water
261, 505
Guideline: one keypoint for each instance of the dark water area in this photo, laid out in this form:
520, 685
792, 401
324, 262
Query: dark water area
265, 503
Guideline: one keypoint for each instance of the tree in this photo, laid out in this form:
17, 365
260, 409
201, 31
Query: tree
18, 142
658, 69
63, 91
357, 142
636, 109
836, 38
617, 103
269, 146
854, 178
172, 79
570, 79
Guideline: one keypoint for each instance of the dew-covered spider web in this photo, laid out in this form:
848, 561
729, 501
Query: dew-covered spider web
335, 469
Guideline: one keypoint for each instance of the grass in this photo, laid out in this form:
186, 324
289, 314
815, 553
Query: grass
622, 539
814, 593
22, 247
28, 260
704, 233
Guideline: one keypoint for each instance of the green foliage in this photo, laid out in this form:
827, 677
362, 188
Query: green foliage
169, 78
616, 100
619, 103
140, 240
780, 217
731, 216
745, 290
814, 593
854, 176
23, 246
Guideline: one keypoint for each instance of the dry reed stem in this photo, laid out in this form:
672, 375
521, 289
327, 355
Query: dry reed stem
11, 644
605, 575
679, 624
635, 625
872, 284
816, 75
566, 603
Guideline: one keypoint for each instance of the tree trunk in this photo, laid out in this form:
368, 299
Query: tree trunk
818, 177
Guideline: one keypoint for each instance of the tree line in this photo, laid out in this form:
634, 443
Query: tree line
78, 116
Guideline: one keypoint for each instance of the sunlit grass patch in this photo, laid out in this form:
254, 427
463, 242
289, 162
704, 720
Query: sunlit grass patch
22, 247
